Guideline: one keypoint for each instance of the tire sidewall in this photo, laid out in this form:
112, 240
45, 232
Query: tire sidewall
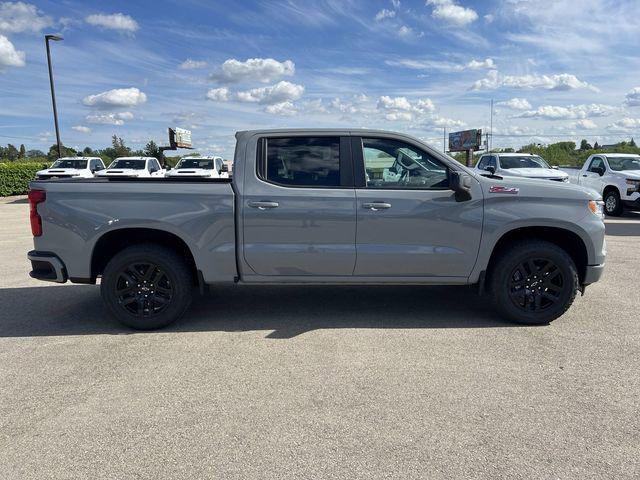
503, 273
618, 204
172, 267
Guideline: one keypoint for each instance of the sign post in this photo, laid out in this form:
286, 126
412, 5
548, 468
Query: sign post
466, 141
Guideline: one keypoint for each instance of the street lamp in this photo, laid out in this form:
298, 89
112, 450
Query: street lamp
55, 38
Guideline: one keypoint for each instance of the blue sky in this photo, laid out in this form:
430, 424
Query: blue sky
557, 70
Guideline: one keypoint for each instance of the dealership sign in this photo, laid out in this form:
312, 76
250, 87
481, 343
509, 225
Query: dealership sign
465, 140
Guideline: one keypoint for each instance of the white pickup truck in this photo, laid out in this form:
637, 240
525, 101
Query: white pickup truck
520, 165
136, 167
201, 167
72, 167
615, 176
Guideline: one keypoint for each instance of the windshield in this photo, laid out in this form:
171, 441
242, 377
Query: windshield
80, 164
134, 164
205, 163
523, 162
624, 163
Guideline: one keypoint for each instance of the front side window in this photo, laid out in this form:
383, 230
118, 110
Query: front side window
624, 163
484, 161
398, 165
523, 162
597, 164
301, 161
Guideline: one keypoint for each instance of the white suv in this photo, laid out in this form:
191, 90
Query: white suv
519, 165
139, 167
201, 167
72, 167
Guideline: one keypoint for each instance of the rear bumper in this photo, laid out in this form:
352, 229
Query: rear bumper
592, 274
47, 266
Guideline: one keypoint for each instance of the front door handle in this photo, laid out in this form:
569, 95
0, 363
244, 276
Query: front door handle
264, 205
375, 206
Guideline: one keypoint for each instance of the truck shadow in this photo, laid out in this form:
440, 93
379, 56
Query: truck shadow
284, 311
625, 226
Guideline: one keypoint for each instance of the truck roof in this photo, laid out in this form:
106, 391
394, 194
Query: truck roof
135, 158
513, 154
618, 154
79, 158
337, 131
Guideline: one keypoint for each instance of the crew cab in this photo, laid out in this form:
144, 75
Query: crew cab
203, 167
519, 165
138, 167
67, 167
615, 176
316, 207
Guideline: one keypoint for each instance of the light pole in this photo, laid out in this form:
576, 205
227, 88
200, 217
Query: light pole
55, 38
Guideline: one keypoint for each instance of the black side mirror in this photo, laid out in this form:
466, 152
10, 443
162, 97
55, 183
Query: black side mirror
599, 170
224, 168
461, 185
491, 169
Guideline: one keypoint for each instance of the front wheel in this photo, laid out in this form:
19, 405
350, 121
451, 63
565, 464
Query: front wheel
612, 203
146, 286
534, 282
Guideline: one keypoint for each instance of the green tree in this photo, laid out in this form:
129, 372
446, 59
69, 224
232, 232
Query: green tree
87, 151
632, 143
121, 150
596, 146
23, 151
35, 153
52, 156
584, 145
12, 152
152, 150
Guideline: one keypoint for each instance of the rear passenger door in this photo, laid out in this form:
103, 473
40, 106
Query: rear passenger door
409, 222
299, 211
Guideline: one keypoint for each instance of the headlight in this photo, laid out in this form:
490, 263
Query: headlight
597, 208
565, 179
632, 186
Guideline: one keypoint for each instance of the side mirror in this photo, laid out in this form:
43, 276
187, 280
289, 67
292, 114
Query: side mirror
491, 169
554, 167
599, 171
167, 167
461, 185
224, 168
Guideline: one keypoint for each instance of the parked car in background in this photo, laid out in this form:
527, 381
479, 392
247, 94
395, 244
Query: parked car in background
202, 167
138, 167
519, 165
615, 176
314, 207
68, 167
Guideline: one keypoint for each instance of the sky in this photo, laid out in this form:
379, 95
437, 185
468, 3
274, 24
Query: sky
556, 70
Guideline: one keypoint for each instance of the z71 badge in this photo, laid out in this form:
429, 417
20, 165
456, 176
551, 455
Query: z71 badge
501, 189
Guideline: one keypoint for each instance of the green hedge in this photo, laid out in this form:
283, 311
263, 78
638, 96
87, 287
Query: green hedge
15, 177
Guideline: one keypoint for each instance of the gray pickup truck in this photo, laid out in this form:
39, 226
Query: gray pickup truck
320, 207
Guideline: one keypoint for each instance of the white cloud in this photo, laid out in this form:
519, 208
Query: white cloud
109, 118
516, 104
18, 17
218, 94
449, 12
585, 124
114, 21
489, 18
443, 66
395, 3
479, 64
405, 31
400, 108
280, 92
553, 112
81, 129
632, 98
442, 122
118, 97
254, 69
625, 125
9, 56
558, 82
189, 64
385, 13
285, 109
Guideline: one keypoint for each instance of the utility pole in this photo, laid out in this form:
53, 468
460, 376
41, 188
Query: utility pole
491, 124
55, 38
444, 139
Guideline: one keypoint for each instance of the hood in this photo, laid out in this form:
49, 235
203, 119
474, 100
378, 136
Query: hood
533, 187
632, 174
60, 171
120, 172
534, 173
190, 172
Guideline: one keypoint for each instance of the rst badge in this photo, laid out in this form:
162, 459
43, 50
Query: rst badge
506, 190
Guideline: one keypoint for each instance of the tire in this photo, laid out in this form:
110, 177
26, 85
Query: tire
533, 282
146, 286
612, 203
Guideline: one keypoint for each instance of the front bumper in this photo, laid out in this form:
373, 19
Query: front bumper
592, 274
47, 266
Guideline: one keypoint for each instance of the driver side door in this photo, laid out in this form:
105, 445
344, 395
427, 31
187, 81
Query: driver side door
592, 178
409, 223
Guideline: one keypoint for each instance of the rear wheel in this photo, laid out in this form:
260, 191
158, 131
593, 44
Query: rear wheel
534, 282
612, 203
146, 286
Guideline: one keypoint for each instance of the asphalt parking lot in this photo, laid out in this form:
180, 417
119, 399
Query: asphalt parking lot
328, 383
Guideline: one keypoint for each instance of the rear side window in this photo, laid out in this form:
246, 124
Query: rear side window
300, 161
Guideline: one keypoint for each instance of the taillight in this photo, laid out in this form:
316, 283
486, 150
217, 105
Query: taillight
36, 197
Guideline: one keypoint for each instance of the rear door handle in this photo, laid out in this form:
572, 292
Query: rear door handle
376, 206
264, 205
